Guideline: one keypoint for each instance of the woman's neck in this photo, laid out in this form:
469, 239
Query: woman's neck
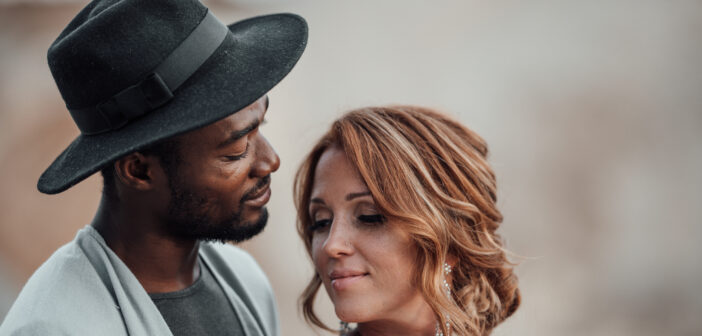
413, 318
390, 330
418, 325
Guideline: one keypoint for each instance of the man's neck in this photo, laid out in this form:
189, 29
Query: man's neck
161, 263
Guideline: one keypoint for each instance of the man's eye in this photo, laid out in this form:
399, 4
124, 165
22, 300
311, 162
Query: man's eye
238, 157
320, 224
371, 219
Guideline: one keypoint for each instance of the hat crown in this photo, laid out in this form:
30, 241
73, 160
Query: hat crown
135, 72
112, 44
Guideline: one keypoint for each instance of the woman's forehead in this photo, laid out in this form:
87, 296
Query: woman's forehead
334, 174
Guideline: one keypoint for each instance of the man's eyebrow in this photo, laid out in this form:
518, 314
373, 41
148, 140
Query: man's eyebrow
236, 135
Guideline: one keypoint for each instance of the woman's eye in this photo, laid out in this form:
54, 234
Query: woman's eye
371, 219
320, 224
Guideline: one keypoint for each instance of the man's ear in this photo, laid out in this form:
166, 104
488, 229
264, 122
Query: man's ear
137, 170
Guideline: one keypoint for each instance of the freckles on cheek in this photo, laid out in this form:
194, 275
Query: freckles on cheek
317, 253
398, 257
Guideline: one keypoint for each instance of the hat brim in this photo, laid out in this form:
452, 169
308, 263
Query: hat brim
257, 54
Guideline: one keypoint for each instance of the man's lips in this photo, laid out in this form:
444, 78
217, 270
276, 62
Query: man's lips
260, 197
343, 279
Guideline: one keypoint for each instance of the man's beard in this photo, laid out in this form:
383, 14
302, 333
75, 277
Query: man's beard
191, 217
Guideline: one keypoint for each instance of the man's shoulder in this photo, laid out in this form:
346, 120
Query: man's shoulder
238, 266
242, 274
55, 277
63, 292
238, 260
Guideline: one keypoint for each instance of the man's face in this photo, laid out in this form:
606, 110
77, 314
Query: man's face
220, 183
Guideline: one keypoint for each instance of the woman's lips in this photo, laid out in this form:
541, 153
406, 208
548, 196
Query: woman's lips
344, 282
261, 199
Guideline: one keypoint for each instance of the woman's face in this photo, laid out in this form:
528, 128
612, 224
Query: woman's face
365, 261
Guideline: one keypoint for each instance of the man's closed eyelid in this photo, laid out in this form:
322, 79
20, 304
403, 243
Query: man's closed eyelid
238, 156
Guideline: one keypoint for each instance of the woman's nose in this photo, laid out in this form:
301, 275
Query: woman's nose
339, 242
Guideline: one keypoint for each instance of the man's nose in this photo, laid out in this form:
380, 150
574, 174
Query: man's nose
267, 160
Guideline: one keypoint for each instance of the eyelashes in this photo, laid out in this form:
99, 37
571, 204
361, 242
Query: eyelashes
238, 157
366, 220
372, 219
320, 224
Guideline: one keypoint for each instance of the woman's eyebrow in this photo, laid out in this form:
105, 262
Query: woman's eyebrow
348, 197
351, 196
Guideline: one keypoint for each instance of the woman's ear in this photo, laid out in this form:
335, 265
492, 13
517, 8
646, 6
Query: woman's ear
136, 171
452, 260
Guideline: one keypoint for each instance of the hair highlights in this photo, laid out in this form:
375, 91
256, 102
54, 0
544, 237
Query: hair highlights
430, 172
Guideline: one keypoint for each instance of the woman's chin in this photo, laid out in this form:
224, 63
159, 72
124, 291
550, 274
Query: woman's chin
350, 314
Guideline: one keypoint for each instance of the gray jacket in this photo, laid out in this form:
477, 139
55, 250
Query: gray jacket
85, 289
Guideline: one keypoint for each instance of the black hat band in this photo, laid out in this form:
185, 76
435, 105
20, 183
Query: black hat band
157, 88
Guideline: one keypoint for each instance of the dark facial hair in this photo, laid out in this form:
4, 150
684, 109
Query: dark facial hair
191, 215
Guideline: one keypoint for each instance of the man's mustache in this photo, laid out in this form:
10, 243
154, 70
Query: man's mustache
260, 185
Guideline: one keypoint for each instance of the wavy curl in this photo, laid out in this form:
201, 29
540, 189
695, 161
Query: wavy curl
431, 173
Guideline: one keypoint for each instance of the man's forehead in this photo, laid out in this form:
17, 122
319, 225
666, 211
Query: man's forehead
235, 122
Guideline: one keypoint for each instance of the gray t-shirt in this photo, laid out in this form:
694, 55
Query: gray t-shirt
201, 309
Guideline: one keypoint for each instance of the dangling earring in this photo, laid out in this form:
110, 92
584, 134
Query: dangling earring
344, 329
447, 288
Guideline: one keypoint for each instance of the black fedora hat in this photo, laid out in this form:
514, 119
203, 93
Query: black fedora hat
134, 72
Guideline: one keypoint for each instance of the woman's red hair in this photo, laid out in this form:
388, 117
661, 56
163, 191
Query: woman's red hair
430, 173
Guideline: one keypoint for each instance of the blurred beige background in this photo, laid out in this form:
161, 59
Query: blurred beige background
592, 110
